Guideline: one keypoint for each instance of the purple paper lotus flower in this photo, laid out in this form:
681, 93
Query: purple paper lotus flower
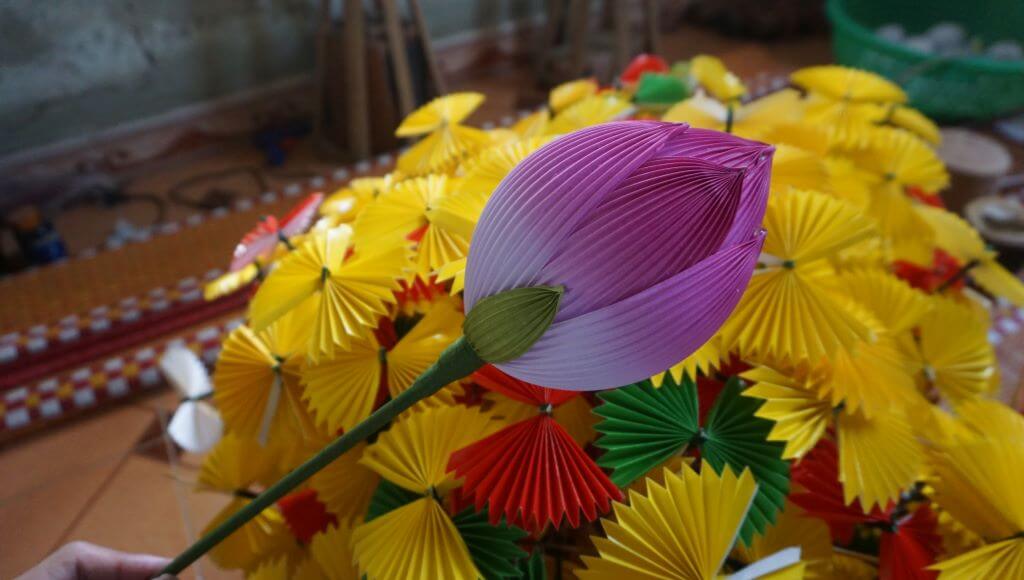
652, 229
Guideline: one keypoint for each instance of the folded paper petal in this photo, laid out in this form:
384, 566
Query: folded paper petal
731, 151
644, 334
533, 473
493, 379
818, 474
547, 195
669, 214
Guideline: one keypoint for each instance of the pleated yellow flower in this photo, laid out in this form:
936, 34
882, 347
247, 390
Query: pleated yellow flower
683, 529
978, 483
710, 73
847, 84
592, 110
347, 291
447, 142
419, 538
957, 357
957, 237
256, 379
231, 467
793, 311
341, 390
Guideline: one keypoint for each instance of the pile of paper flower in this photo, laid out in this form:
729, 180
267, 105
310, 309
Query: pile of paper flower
847, 408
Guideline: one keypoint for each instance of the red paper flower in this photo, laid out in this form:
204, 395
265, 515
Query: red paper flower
818, 474
906, 553
532, 472
305, 514
642, 63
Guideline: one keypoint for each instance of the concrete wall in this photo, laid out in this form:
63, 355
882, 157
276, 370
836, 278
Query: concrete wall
71, 67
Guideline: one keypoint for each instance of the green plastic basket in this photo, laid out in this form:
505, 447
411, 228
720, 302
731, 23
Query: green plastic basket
947, 89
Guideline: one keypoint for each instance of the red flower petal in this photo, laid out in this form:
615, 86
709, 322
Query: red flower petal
642, 63
493, 379
534, 473
305, 514
818, 474
300, 216
907, 553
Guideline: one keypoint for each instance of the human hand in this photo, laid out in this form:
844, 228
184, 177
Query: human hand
85, 561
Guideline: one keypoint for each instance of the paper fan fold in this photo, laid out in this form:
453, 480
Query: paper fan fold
799, 415
346, 486
822, 496
452, 109
681, 530
417, 540
262, 537
493, 547
414, 452
736, 437
906, 553
331, 550
643, 426
493, 379
533, 473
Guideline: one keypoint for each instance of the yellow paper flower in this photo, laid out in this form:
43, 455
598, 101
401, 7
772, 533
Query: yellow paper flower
842, 83
346, 203
233, 465
801, 416
414, 452
682, 529
958, 359
878, 457
751, 120
710, 73
345, 486
425, 209
793, 310
705, 359
533, 125
417, 540
442, 150
899, 156
800, 169
347, 292
912, 120
958, 238
570, 93
256, 379
331, 550
443, 111
592, 110
978, 483
230, 282
341, 390
484, 172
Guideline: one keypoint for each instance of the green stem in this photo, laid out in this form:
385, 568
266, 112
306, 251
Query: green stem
457, 361
729, 118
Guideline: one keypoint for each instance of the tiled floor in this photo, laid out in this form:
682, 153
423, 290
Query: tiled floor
106, 479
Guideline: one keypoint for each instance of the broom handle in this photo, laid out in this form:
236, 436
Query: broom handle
456, 362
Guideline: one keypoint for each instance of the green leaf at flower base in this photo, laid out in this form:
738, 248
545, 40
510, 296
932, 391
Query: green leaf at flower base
644, 426
503, 326
660, 89
734, 436
493, 548
388, 497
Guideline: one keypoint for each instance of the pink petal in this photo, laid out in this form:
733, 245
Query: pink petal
732, 151
543, 199
669, 214
644, 334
